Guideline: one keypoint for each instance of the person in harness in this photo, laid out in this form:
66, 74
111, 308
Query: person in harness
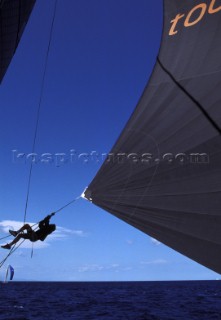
45, 228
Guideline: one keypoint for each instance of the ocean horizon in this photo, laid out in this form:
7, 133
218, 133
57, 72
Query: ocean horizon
133, 300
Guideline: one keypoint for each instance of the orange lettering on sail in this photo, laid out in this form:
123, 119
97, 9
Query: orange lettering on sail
202, 7
211, 9
174, 24
194, 16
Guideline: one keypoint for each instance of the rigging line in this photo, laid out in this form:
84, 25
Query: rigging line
32, 249
7, 256
14, 248
10, 234
68, 204
39, 106
205, 113
5, 237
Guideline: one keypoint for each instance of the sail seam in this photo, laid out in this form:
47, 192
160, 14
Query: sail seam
205, 113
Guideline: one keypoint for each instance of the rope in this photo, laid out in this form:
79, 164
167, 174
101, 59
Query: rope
39, 107
68, 204
3, 261
14, 248
5, 237
60, 209
205, 113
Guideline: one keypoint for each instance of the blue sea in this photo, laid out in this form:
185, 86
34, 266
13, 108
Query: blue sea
184, 300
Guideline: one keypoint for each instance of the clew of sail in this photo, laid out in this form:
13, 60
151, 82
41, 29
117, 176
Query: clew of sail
163, 175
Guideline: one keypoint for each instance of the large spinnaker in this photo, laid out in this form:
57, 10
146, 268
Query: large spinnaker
163, 175
14, 15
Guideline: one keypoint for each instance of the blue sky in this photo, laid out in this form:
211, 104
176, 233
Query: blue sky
102, 54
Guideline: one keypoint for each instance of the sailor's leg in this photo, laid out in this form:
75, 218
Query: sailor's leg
8, 245
19, 236
25, 227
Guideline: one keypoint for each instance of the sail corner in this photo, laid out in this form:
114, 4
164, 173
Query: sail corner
86, 194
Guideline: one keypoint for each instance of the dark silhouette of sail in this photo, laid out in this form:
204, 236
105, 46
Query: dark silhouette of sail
14, 15
163, 175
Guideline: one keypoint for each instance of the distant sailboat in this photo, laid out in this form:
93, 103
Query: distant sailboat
9, 274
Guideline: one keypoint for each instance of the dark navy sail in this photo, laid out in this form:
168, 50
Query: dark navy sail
14, 15
163, 175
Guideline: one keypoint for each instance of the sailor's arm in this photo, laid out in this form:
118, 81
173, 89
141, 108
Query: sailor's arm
46, 220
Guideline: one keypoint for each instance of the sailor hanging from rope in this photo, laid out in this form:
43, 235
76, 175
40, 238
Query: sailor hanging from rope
44, 230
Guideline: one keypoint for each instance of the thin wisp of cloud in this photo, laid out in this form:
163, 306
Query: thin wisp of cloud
60, 233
